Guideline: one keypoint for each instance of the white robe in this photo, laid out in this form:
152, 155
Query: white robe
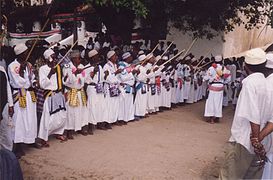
77, 117
7, 124
268, 141
251, 107
55, 123
25, 119
150, 97
141, 98
96, 101
126, 107
112, 103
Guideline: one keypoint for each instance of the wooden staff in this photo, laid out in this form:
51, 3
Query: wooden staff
40, 33
167, 49
164, 52
191, 45
66, 54
203, 59
155, 48
204, 65
176, 56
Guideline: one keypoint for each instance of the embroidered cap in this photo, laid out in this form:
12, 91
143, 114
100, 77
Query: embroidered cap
92, 53
47, 54
218, 58
255, 56
110, 54
142, 57
20, 48
126, 55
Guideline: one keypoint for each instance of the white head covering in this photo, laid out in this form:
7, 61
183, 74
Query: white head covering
140, 53
269, 61
110, 54
193, 59
165, 58
157, 58
142, 57
188, 58
126, 55
105, 44
47, 54
20, 48
218, 58
92, 53
255, 56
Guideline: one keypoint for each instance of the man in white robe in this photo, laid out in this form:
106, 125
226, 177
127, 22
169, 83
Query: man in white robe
22, 81
6, 112
77, 112
126, 108
141, 89
112, 91
266, 135
216, 79
95, 92
247, 155
54, 115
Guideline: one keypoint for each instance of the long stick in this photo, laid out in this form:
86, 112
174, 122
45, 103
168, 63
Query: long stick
40, 33
155, 48
204, 65
66, 54
191, 45
150, 53
203, 59
167, 49
176, 56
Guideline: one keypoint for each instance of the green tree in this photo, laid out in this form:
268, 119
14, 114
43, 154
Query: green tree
202, 18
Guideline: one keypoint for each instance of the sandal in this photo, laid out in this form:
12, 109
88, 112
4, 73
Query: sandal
62, 138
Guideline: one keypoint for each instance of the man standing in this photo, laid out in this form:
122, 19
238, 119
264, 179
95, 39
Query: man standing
246, 159
126, 109
216, 79
76, 102
54, 111
22, 82
112, 87
6, 111
95, 92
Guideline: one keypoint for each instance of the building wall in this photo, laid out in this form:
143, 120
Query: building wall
235, 43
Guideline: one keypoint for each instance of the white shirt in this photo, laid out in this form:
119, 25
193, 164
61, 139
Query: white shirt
45, 83
250, 108
73, 81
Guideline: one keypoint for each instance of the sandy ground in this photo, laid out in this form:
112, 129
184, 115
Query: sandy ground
175, 144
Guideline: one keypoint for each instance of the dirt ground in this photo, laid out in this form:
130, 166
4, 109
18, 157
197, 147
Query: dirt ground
175, 144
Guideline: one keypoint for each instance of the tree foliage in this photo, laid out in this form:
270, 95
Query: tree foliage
202, 18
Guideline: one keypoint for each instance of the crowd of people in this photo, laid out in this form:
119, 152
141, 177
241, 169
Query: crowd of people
74, 89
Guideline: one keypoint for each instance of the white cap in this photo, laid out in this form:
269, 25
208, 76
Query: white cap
105, 44
157, 58
142, 57
110, 54
92, 53
269, 61
193, 59
62, 47
140, 52
188, 58
165, 58
126, 55
255, 56
47, 54
20, 48
218, 58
